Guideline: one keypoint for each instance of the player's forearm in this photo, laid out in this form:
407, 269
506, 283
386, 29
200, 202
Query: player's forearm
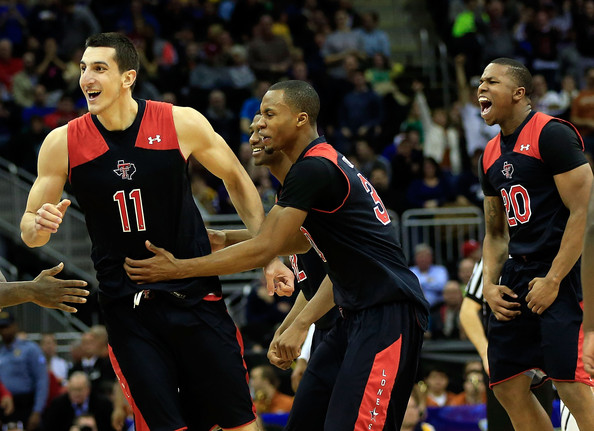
495, 253
473, 326
571, 246
29, 234
320, 304
240, 257
234, 236
588, 269
298, 306
14, 293
246, 201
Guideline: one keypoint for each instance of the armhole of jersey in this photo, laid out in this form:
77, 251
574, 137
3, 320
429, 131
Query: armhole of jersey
326, 151
345, 198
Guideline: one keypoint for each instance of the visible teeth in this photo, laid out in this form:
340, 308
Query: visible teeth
256, 150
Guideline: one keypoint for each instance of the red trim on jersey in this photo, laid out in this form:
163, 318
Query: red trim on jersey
139, 422
374, 405
580, 372
328, 152
157, 128
528, 140
247, 374
85, 143
212, 297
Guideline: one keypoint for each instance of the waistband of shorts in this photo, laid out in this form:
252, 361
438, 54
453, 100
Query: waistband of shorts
534, 257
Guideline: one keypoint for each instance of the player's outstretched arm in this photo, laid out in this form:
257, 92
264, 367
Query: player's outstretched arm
279, 226
494, 256
45, 290
45, 212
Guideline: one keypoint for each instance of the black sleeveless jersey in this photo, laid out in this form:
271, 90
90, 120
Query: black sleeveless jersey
132, 186
352, 234
309, 273
520, 168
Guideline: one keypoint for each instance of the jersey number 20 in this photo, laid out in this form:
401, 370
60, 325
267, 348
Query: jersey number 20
516, 213
120, 198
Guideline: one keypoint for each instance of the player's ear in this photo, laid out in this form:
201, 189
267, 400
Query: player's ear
129, 78
519, 93
302, 119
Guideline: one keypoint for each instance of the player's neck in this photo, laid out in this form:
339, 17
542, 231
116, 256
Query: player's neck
120, 115
510, 125
301, 142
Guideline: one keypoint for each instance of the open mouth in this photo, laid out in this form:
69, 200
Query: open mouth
93, 94
486, 105
256, 150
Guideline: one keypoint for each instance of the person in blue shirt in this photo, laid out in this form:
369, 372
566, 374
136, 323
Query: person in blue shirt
23, 370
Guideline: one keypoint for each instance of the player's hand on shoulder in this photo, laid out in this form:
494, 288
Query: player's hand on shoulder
49, 217
496, 295
543, 292
51, 292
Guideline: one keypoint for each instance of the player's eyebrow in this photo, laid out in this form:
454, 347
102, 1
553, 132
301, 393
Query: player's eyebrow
94, 62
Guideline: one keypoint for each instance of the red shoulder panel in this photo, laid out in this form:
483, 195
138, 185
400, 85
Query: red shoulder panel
528, 140
492, 152
85, 142
326, 151
157, 129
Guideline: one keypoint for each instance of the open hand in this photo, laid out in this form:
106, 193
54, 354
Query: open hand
50, 292
162, 266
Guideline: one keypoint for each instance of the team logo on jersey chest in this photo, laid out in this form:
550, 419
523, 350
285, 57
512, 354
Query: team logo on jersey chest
508, 170
125, 170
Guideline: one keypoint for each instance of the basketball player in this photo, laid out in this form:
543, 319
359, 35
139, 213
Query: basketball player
361, 375
176, 348
536, 181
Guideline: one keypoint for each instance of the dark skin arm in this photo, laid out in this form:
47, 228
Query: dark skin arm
588, 289
277, 237
494, 256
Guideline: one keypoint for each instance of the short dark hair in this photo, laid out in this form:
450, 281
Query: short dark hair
518, 71
126, 56
301, 97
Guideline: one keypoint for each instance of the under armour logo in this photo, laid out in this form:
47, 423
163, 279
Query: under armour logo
125, 170
524, 147
156, 138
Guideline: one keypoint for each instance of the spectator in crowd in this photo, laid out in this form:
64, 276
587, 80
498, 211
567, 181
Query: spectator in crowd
95, 362
40, 106
444, 320
264, 384
77, 23
437, 394
441, 142
466, 31
250, 107
268, 54
85, 422
476, 132
415, 413
472, 249
380, 180
432, 190
6, 401
544, 100
475, 390
582, 111
360, 115
432, 277
9, 64
341, 43
24, 373
468, 186
78, 400
24, 81
222, 119
466, 266
57, 365
50, 70
497, 32
65, 111
375, 41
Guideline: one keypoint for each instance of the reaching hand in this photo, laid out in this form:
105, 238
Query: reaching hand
162, 266
49, 217
279, 278
502, 310
50, 292
7, 405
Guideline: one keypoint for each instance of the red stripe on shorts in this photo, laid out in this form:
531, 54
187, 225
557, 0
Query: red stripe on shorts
374, 405
139, 423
